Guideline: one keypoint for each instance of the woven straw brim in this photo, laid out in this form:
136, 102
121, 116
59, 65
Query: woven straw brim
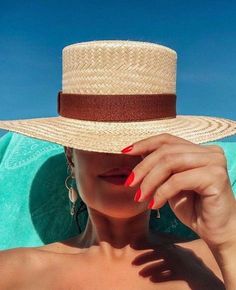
113, 137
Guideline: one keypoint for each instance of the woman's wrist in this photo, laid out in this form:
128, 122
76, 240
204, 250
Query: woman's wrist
225, 256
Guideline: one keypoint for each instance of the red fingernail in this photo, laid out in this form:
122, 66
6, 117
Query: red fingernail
151, 203
137, 195
127, 149
129, 179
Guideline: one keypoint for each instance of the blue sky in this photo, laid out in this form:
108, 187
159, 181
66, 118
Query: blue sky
33, 34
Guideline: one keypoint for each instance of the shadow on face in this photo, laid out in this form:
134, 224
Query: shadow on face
94, 191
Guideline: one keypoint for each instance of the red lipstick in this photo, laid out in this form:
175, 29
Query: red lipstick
116, 176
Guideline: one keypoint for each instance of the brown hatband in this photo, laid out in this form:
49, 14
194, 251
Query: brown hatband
116, 107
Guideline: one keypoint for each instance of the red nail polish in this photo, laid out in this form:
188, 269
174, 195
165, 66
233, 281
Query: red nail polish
127, 149
130, 179
137, 195
151, 203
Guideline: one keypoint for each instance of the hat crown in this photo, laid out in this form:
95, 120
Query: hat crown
118, 67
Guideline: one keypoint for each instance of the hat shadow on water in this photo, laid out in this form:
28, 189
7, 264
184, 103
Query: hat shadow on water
49, 204
34, 202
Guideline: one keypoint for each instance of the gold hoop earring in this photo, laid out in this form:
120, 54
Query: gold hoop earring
73, 195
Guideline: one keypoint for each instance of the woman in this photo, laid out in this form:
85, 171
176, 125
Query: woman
117, 250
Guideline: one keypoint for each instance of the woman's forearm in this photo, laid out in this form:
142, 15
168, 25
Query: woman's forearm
226, 259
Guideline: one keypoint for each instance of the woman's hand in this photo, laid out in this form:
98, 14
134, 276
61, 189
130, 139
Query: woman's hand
193, 179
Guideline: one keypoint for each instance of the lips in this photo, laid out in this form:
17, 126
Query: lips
116, 179
117, 172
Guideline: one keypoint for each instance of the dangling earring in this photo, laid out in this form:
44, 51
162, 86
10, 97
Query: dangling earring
73, 196
158, 214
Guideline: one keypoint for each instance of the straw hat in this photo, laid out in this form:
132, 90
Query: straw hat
114, 93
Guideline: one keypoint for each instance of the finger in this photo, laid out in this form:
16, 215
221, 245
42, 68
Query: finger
174, 163
215, 148
147, 145
164, 154
200, 148
197, 180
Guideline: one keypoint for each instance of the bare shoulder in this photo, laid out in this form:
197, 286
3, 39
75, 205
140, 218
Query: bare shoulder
68, 246
14, 264
193, 256
200, 249
21, 267
12, 258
